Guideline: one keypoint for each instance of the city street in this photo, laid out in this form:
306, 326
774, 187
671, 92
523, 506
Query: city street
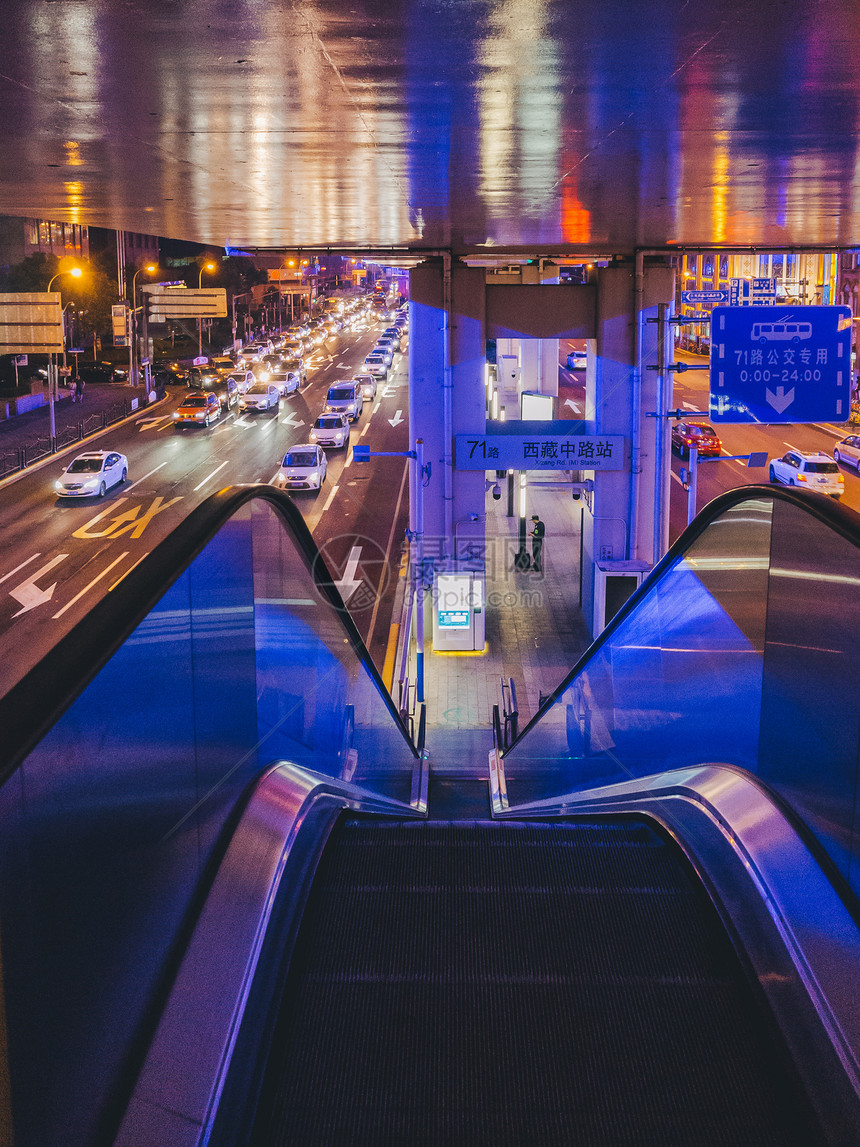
61, 555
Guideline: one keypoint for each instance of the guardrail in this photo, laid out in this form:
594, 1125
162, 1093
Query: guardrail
508, 711
42, 446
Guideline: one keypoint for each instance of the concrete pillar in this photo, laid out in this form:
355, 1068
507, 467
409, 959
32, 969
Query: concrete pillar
621, 525
446, 399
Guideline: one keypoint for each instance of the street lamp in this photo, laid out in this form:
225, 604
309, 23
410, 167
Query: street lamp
52, 366
133, 363
205, 267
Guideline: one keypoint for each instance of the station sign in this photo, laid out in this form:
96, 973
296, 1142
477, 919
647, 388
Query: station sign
545, 446
31, 322
780, 364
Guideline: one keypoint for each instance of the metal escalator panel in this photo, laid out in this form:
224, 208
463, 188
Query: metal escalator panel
741, 649
475, 983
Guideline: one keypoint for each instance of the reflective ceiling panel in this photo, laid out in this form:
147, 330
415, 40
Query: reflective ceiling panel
531, 124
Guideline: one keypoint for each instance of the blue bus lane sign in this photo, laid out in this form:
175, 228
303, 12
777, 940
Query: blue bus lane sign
780, 364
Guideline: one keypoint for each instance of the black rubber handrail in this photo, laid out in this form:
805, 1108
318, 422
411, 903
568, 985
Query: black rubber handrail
843, 520
37, 702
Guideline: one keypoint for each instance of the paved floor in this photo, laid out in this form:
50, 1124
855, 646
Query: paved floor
535, 631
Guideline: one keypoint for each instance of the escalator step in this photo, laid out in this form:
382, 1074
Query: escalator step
518, 983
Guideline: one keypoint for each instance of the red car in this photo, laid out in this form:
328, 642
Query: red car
698, 434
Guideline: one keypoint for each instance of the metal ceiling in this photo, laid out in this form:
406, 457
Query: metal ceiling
532, 125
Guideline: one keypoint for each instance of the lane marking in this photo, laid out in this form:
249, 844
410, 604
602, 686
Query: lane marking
330, 498
87, 588
127, 572
143, 479
19, 567
390, 654
387, 554
28, 594
349, 459
366, 428
208, 476
677, 479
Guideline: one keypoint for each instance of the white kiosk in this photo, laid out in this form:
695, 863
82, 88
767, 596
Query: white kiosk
458, 610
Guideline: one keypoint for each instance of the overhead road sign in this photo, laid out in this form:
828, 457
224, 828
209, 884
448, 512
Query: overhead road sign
185, 302
780, 364
31, 322
751, 292
530, 448
691, 298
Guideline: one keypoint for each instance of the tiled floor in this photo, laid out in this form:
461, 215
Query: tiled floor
535, 632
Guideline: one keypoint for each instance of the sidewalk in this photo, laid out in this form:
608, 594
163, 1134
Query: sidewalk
535, 631
25, 438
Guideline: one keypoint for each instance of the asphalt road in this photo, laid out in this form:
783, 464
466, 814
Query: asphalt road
59, 556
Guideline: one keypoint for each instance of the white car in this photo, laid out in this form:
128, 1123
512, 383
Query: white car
287, 381
303, 468
330, 430
244, 379
260, 396
814, 471
848, 450
367, 382
344, 398
91, 474
375, 364
254, 352
385, 348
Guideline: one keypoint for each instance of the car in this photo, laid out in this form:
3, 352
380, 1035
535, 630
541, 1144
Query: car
698, 434
577, 360
375, 364
394, 334
243, 379
198, 409
344, 398
386, 346
202, 377
262, 370
848, 450
303, 468
222, 363
90, 475
367, 382
227, 391
254, 352
260, 396
170, 366
287, 381
290, 362
294, 348
811, 471
330, 430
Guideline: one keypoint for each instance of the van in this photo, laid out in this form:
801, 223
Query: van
345, 398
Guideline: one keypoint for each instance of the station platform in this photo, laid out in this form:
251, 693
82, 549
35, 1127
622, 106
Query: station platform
535, 632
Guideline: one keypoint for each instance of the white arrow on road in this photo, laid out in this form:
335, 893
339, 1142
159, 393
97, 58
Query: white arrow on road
389, 391
292, 420
349, 583
397, 419
779, 401
29, 594
574, 406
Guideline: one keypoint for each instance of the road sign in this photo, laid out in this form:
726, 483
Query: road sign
185, 302
713, 297
31, 322
780, 364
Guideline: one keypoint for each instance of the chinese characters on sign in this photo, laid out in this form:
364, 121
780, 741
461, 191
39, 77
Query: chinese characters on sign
539, 452
774, 364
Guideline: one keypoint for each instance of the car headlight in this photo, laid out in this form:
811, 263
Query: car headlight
313, 437
59, 485
175, 414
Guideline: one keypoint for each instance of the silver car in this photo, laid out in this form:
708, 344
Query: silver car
367, 382
261, 396
92, 474
344, 398
303, 468
848, 450
330, 430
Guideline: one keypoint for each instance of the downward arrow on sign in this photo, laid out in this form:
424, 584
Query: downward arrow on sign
29, 594
349, 583
779, 401
397, 419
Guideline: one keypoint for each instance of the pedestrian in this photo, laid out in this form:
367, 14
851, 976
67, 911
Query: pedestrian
538, 531
79, 390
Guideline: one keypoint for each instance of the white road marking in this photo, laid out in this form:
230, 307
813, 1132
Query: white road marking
677, 479
242, 422
387, 555
19, 567
378, 404
827, 430
143, 479
330, 498
397, 419
28, 594
349, 583
689, 405
349, 459
87, 588
366, 428
127, 572
146, 423
208, 476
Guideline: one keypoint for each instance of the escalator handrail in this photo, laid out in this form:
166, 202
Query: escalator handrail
839, 518
39, 699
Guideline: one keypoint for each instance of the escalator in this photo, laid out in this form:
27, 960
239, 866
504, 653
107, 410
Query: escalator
229, 913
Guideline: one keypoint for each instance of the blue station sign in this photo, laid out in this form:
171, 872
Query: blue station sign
538, 446
780, 364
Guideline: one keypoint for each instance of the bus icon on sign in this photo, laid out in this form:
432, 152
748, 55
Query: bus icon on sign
781, 332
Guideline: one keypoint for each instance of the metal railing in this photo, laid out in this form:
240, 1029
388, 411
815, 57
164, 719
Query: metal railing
508, 711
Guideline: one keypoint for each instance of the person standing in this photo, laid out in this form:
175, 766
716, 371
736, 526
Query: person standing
538, 531
79, 390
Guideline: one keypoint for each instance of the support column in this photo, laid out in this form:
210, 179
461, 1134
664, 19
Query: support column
446, 397
620, 393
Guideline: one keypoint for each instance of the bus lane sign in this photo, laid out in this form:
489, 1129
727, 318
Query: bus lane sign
780, 364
